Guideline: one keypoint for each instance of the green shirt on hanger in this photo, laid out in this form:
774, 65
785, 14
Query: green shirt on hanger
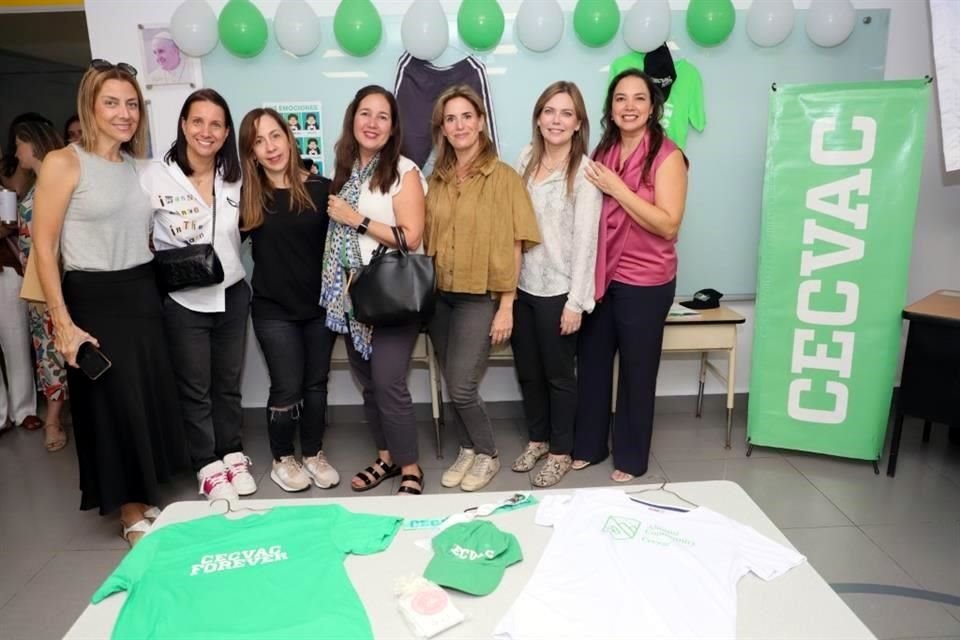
684, 107
275, 575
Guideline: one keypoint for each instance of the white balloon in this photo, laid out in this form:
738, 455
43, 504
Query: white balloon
194, 28
424, 30
769, 22
539, 24
296, 27
830, 22
647, 25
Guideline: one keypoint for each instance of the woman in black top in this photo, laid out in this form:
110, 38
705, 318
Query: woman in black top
284, 210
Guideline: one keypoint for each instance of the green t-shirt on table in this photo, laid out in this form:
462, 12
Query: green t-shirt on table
276, 575
684, 107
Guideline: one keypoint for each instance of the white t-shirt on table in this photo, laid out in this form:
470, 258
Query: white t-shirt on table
379, 206
619, 568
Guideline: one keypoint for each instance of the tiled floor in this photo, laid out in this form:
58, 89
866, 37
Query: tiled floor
854, 526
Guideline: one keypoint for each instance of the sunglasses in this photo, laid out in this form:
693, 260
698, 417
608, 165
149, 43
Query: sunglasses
105, 65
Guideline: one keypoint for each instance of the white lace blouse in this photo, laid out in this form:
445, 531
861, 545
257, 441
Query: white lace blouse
565, 262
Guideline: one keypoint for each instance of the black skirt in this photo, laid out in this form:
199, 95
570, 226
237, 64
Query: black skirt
127, 425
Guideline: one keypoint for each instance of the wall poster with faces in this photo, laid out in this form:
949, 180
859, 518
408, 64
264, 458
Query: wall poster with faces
163, 62
305, 120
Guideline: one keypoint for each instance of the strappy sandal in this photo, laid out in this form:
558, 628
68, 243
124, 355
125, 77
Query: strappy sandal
412, 490
140, 527
151, 514
54, 439
371, 477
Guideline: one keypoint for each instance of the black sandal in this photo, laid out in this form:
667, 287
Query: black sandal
409, 477
385, 471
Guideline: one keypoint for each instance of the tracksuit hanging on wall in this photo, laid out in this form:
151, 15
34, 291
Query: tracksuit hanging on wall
418, 85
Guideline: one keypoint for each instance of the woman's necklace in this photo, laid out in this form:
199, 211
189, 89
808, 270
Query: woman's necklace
549, 168
203, 185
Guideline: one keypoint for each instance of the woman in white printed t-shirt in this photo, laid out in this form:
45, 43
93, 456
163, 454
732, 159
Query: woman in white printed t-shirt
377, 189
206, 326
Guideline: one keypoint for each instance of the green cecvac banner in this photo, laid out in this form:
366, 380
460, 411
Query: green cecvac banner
839, 202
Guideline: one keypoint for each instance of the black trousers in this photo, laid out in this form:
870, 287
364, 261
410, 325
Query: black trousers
629, 319
546, 369
298, 359
207, 353
387, 403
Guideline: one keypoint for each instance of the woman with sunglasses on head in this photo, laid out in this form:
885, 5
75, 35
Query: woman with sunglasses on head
34, 141
206, 326
643, 176
556, 279
479, 220
378, 190
90, 212
283, 207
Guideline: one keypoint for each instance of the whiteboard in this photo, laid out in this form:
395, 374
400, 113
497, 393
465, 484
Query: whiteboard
721, 228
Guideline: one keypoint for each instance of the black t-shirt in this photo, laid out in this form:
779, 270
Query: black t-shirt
288, 256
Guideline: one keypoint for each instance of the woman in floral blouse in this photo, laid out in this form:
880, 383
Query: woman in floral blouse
34, 140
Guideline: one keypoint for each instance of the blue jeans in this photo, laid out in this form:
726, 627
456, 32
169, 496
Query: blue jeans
298, 359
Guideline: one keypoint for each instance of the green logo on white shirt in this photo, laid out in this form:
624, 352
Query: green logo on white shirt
621, 528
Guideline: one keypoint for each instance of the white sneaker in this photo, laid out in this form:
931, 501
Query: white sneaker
289, 475
214, 483
481, 473
324, 475
238, 472
453, 476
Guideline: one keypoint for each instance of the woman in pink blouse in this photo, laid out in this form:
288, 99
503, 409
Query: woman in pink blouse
643, 176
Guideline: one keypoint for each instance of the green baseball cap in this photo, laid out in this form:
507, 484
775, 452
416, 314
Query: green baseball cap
472, 556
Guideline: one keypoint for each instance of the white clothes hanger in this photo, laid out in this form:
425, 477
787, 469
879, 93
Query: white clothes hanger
231, 510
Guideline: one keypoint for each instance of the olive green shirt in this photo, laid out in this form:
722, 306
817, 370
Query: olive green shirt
471, 229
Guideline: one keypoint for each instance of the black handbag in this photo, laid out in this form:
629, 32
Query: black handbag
196, 265
396, 288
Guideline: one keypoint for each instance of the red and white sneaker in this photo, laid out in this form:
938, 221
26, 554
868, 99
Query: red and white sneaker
238, 472
214, 483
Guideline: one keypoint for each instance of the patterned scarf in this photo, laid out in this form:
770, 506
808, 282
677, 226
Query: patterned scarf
341, 260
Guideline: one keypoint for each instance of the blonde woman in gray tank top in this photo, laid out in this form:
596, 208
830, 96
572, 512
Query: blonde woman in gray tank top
91, 215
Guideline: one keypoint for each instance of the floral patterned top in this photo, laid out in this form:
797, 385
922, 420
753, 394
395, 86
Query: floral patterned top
25, 218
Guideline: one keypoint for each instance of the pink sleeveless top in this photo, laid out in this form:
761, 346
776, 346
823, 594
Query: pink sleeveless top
626, 251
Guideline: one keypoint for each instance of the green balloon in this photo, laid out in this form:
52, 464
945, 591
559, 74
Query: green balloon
480, 23
357, 27
710, 22
243, 29
596, 21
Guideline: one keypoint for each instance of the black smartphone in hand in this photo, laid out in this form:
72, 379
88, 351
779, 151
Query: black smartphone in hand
91, 361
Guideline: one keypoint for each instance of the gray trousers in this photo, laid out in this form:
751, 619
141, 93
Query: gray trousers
207, 353
460, 332
387, 403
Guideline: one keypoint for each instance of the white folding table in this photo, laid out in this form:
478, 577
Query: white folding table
799, 604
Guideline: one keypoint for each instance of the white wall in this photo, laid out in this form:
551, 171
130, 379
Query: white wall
936, 259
